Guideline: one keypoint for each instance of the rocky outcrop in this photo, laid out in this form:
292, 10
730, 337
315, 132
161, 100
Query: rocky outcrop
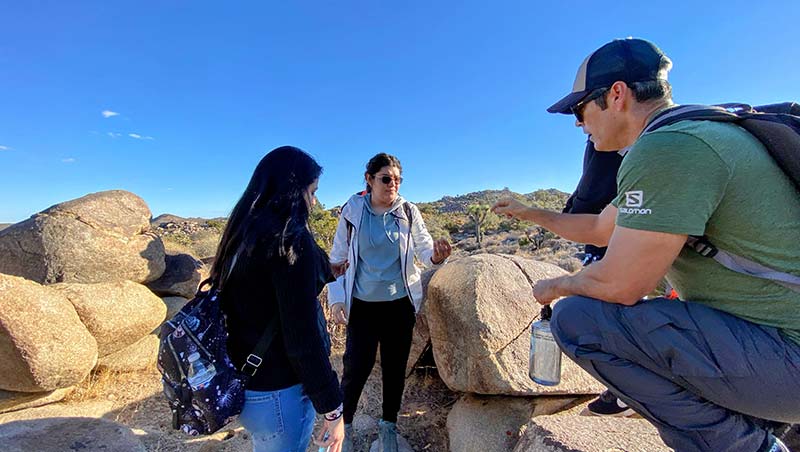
479, 312
173, 305
139, 356
97, 238
590, 434
182, 276
494, 424
43, 343
15, 401
68, 434
116, 313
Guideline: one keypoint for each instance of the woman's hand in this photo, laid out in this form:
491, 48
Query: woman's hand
441, 251
338, 314
339, 269
331, 435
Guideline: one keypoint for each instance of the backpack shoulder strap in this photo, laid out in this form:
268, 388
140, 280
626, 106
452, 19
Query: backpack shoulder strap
780, 134
409, 213
742, 265
254, 360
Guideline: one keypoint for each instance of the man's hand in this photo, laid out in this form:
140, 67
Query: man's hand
339, 269
441, 251
546, 290
509, 207
338, 314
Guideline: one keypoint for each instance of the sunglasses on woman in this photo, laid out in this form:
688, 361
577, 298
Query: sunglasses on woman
386, 180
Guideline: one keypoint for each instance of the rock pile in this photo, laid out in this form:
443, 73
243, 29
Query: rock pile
73, 299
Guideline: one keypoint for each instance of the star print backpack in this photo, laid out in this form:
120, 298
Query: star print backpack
203, 387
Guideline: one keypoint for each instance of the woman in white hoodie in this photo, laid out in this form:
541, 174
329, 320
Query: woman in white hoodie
379, 291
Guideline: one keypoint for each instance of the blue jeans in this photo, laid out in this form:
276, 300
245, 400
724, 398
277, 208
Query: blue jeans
707, 380
278, 421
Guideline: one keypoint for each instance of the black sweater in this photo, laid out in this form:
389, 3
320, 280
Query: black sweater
597, 187
260, 288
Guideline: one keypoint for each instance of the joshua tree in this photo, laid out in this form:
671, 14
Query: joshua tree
479, 214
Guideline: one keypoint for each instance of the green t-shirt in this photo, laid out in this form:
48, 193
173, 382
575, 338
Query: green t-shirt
715, 179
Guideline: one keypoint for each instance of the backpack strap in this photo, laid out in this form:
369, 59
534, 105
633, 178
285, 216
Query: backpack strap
774, 131
742, 265
254, 359
409, 214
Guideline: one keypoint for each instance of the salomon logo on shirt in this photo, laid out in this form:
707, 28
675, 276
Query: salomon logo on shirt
633, 203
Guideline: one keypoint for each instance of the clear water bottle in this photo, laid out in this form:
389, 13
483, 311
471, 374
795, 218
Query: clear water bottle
544, 366
200, 371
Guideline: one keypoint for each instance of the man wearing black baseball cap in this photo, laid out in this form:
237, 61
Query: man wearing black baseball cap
711, 373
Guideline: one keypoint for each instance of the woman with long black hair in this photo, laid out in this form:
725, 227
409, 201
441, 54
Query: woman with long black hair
273, 269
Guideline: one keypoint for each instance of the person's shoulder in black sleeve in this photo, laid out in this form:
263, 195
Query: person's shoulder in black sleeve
596, 188
298, 279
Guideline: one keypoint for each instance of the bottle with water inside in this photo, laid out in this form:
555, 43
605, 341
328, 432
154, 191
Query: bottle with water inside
200, 371
544, 366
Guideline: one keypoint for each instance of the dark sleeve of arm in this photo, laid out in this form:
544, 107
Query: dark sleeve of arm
302, 332
598, 184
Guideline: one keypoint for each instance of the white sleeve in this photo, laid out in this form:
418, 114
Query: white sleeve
340, 240
423, 242
336, 291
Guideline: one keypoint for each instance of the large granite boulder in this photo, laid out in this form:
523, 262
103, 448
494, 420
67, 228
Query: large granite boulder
68, 434
141, 355
182, 276
43, 343
15, 401
495, 423
116, 313
589, 434
97, 238
479, 311
173, 305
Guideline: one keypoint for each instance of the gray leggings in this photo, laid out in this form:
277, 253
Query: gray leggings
707, 380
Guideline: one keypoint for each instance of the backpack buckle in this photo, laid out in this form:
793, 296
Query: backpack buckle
252, 361
703, 247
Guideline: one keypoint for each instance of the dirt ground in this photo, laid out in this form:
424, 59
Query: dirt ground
139, 404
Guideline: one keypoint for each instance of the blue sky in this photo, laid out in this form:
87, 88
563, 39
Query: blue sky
195, 93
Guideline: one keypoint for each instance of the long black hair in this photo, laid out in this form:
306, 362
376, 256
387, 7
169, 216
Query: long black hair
272, 210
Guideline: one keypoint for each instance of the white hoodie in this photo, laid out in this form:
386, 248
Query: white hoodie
415, 241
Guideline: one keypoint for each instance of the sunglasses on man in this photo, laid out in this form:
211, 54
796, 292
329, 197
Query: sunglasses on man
386, 180
577, 109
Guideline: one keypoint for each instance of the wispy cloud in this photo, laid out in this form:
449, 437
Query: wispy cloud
68, 160
139, 137
5, 148
109, 113
114, 134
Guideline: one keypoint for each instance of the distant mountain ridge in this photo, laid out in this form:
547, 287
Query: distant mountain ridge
549, 198
546, 198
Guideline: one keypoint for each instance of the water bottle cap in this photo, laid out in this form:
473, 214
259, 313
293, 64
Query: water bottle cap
194, 357
547, 312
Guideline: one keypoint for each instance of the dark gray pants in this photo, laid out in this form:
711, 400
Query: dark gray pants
706, 379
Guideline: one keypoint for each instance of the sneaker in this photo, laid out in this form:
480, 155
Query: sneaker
387, 436
609, 405
347, 444
778, 446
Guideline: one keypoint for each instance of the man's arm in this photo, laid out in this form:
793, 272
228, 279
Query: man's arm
635, 262
583, 228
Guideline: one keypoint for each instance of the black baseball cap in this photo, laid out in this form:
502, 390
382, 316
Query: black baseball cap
627, 60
